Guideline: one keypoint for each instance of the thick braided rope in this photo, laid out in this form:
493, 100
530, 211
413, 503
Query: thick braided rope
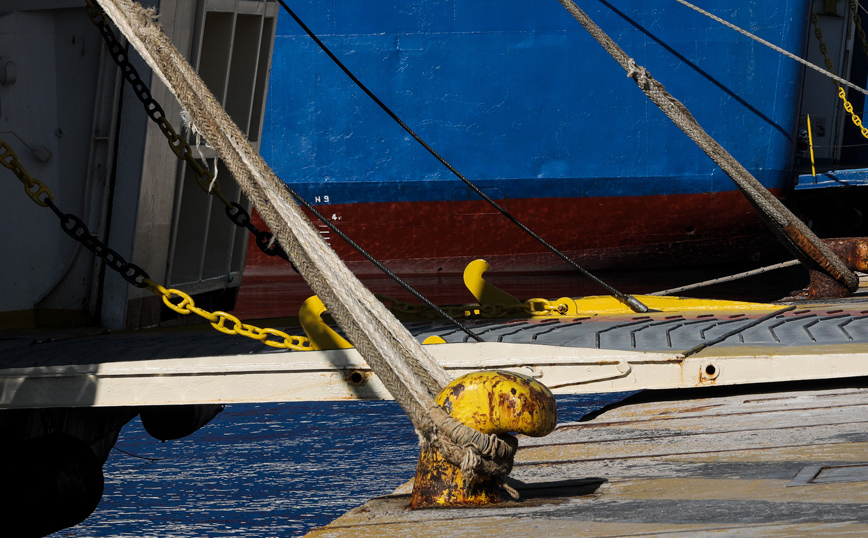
794, 234
410, 374
246, 166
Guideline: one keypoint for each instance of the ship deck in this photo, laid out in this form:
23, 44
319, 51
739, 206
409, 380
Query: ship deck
757, 461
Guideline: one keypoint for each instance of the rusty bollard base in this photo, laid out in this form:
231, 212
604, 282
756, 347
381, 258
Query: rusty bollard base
439, 483
492, 402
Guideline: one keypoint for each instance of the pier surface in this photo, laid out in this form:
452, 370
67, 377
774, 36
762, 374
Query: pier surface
777, 461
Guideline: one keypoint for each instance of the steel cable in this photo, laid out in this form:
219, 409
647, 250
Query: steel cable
628, 300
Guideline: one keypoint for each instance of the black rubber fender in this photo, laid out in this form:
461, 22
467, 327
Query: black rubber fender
49, 483
168, 422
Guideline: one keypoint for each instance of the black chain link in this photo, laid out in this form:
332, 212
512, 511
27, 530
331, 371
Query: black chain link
180, 147
238, 215
241, 217
77, 229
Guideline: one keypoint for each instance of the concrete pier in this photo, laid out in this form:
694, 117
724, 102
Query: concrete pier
773, 461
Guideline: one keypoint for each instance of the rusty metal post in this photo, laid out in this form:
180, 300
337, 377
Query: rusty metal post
439, 483
853, 251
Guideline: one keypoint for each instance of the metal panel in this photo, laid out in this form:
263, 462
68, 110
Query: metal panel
232, 51
831, 474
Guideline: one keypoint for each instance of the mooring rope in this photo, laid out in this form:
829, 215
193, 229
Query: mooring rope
762, 41
725, 279
404, 367
792, 232
628, 300
156, 111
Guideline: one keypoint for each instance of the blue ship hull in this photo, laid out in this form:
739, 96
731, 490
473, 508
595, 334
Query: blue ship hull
520, 99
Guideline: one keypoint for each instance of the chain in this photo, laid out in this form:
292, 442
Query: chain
264, 240
71, 225
178, 144
218, 320
10, 160
823, 49
135, 275
180, 147
854, 8
857, 121
531, 307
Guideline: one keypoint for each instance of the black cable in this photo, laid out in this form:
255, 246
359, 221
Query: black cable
630, 301
152, 460
380, 266
134, 274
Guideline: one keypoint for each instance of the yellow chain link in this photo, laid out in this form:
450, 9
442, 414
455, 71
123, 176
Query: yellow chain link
532, 307
35, 188
857, 121
218, 320
9, 159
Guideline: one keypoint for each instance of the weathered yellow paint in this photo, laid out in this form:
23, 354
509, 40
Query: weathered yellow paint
671, 468
605, 304
492, 402
484, 292
439, 483
572, 307
321, 336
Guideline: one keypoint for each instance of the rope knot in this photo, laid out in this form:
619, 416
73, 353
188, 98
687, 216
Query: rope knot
639, 74
473, 452
471, 464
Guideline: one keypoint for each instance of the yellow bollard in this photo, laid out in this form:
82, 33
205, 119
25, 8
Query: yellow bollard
484, 292
492, 402
321, 336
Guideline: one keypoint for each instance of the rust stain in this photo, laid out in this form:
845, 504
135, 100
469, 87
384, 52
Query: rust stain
492, 402
358, 378
439, 483
823, 286
826, 283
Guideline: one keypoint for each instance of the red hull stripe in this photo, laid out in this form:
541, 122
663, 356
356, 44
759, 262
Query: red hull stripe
423, 236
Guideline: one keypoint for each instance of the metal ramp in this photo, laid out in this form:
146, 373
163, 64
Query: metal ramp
589, 354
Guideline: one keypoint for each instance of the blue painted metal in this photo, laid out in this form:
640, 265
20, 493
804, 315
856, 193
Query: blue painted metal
520, 99
837, 178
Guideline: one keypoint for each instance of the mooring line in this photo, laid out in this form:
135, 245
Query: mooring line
628, 300
725, 279
776, 48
